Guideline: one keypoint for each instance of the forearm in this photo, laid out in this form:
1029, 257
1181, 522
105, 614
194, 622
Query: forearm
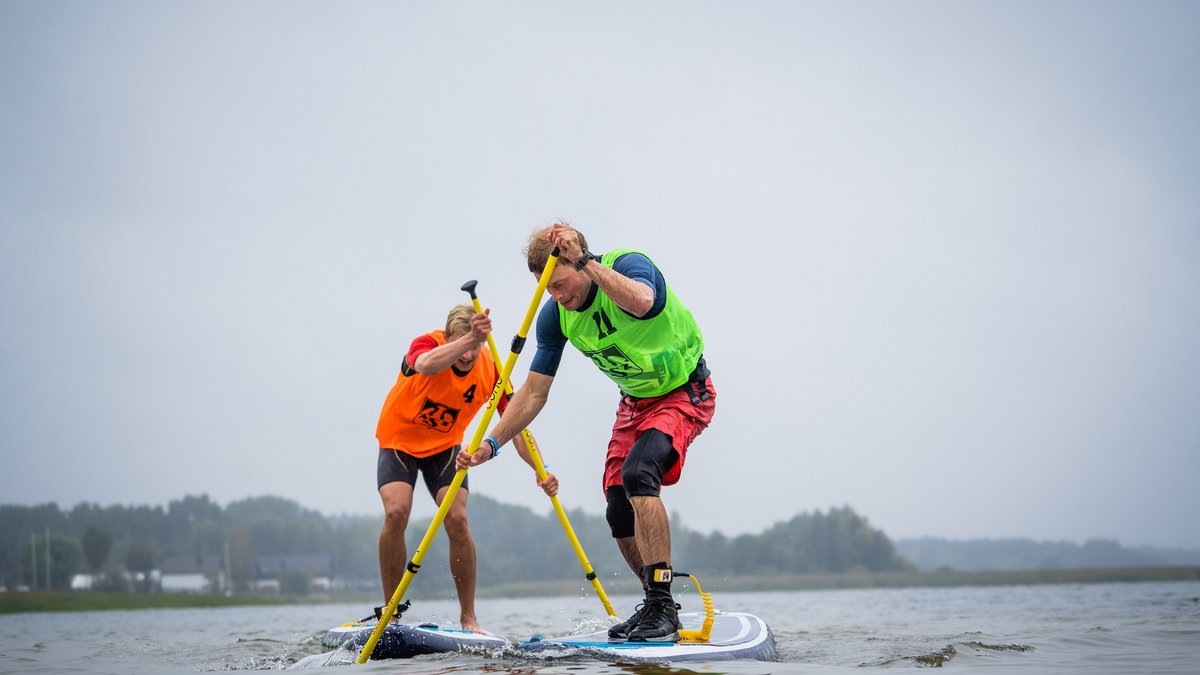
632, 296
441, 357
521, 410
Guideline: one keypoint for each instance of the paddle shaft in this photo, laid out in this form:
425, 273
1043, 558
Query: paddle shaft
414, 565
540, 468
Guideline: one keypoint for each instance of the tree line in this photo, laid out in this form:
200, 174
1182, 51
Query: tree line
933, 554
119, 543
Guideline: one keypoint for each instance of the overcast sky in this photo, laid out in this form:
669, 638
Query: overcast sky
945, 255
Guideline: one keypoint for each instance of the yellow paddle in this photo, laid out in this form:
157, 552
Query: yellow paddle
414, 565
527, 437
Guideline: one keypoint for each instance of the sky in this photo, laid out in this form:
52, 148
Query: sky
945, 255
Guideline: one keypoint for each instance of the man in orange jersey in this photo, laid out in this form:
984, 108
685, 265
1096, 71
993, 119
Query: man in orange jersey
445, 379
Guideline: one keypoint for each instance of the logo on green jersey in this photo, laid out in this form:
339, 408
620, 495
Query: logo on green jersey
614, 363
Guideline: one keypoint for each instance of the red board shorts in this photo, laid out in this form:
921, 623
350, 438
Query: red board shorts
673, 413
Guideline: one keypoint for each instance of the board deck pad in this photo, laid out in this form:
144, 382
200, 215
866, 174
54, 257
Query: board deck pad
734, 636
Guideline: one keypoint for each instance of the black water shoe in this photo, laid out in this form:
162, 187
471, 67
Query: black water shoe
659, 622
621, 630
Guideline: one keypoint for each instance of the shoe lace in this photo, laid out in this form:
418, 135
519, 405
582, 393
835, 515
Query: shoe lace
638, 613
657, 610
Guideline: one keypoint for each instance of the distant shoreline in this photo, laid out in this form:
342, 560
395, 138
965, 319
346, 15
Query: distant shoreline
948, 578
62, 601
850, 580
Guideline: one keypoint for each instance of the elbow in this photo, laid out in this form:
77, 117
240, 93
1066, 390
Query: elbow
644, 305
421, 365
534, 404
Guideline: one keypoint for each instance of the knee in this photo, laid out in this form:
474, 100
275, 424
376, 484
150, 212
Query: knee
457, 525
619, 513
641, 478
648, 460
395, 516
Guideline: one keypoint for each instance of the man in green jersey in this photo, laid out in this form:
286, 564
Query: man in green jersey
618, 311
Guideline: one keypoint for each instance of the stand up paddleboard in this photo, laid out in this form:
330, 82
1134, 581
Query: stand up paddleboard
733, 636
706, 636
403, 641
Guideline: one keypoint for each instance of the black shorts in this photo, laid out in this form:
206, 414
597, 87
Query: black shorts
437, 470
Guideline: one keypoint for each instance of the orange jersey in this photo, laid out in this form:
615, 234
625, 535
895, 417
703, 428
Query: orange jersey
424, 415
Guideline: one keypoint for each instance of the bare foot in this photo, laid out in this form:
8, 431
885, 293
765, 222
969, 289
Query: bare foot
470, 624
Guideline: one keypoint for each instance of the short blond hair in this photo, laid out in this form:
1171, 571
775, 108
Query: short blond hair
537, 251
458, 321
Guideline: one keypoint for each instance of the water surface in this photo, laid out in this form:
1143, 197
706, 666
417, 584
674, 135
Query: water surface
1068, 628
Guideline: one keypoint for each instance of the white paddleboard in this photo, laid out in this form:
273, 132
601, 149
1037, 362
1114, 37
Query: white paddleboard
734, 636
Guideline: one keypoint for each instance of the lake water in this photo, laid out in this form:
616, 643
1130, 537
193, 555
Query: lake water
1069, 628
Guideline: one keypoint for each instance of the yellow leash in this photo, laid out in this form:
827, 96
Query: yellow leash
414, 565
527, 437
705, 630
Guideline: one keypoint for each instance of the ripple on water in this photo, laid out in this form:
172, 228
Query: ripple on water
999, 648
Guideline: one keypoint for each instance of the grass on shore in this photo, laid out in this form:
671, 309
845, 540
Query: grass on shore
82, 601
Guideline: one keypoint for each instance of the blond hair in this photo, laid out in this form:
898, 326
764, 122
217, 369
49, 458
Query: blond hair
537, 251
458, 321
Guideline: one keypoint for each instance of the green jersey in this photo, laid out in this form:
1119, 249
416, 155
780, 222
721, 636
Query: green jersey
645, 357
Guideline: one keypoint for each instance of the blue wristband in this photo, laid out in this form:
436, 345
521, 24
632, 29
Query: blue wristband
495, 446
